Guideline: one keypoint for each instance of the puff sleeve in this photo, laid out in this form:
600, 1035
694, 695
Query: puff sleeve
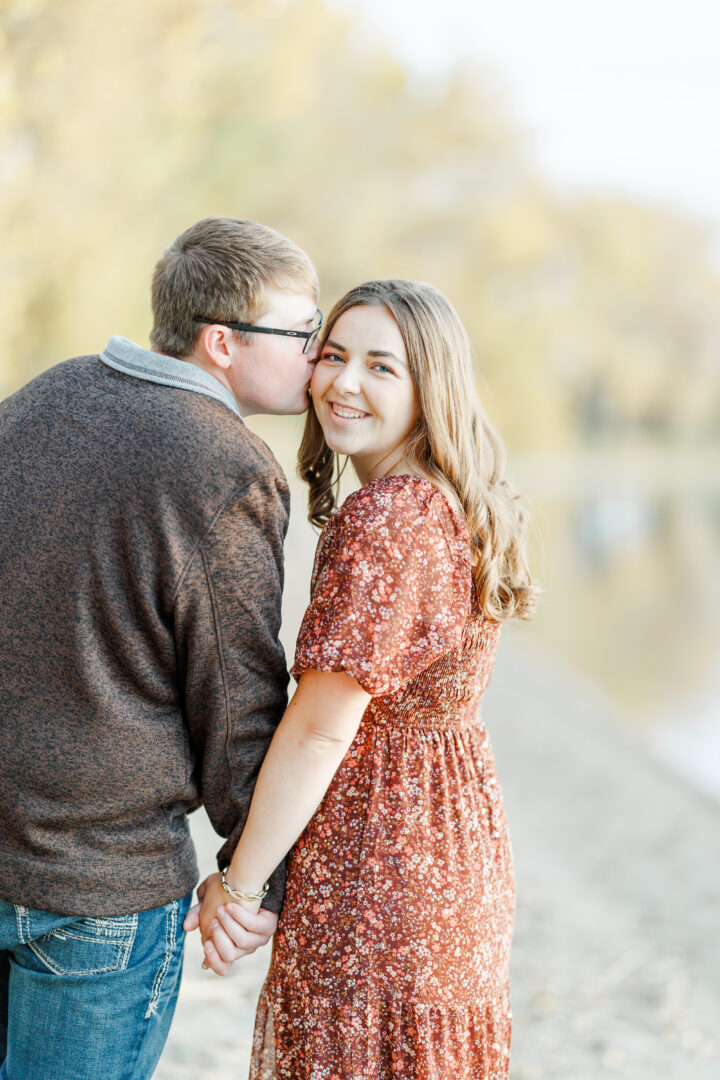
391, 587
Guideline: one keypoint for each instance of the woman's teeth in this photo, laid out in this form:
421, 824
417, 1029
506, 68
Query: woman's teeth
347, 414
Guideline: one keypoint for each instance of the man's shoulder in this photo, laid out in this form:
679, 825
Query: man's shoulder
199, 442
51, 389
226, 444
155, 431
60, 372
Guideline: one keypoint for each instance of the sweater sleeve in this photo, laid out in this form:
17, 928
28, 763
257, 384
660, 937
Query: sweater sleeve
227, 620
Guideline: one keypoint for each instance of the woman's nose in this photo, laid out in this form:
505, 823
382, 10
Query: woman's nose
347, 379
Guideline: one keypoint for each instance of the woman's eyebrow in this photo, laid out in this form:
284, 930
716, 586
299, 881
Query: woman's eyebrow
334, 345
384, 352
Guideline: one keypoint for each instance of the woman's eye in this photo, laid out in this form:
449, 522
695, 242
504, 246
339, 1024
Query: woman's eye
333, 358
383, 369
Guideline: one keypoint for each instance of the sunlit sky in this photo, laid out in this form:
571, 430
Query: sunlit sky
621, 94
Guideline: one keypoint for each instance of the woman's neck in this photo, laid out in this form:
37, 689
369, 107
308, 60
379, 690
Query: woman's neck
391, 464
403, 466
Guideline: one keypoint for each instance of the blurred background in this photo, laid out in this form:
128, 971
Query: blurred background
555, 170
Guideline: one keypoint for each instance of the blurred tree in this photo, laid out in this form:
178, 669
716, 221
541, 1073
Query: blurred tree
121, 124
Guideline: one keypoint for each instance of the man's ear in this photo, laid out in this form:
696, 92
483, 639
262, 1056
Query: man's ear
216, 343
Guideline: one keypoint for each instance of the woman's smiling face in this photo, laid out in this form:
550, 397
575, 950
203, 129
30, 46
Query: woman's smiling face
362, 390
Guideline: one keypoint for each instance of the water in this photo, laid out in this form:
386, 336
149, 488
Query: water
629, 562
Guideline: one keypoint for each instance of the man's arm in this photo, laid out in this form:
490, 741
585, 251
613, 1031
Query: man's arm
306, 751
227, 620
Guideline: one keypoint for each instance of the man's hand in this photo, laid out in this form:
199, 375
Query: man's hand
228, 931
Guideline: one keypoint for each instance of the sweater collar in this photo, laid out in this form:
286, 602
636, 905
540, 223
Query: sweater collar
124, 355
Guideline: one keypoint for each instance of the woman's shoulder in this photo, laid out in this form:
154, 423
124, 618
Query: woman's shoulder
400, 501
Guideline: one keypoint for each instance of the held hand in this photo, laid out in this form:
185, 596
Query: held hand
192, 919
237, 932
210, 894
227, 938
213, 896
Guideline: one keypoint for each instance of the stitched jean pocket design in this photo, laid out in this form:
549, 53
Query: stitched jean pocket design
88, 946
172, 916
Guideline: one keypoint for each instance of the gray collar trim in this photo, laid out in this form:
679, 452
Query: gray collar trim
124, 355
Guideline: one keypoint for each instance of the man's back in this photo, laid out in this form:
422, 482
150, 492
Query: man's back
141, 531
141, 535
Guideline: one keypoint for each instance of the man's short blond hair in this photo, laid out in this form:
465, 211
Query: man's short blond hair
219, 268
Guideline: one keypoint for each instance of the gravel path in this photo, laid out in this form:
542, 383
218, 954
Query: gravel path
616, 966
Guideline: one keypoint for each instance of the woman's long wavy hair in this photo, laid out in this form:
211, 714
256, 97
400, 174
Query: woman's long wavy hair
453, 442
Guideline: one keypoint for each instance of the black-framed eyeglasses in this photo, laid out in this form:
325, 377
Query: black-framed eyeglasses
309, 335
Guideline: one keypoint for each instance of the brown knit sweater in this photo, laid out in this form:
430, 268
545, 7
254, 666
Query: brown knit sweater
141, 533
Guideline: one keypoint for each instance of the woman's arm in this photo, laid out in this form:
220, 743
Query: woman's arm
311, 740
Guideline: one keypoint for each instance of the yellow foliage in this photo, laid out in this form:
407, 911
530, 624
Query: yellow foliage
121, 124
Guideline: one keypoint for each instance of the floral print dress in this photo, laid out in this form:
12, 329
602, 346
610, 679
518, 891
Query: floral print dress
391, 955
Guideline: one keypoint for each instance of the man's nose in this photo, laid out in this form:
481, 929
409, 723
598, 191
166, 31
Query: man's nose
313, 352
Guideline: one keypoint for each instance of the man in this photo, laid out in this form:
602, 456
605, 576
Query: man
141, 533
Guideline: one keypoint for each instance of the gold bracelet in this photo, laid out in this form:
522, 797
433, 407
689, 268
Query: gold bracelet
243, 895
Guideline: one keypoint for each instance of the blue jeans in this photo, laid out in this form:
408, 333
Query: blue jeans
82, 998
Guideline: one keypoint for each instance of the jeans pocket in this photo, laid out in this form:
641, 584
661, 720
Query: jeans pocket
87, 946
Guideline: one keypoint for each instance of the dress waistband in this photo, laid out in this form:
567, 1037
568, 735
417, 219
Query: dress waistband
458, 715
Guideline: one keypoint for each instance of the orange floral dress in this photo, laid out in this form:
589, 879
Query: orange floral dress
391, 955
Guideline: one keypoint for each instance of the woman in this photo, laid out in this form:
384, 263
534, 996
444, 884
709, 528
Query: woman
391, 955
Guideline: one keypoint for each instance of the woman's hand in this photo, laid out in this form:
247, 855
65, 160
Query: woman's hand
229, 931
237, 933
